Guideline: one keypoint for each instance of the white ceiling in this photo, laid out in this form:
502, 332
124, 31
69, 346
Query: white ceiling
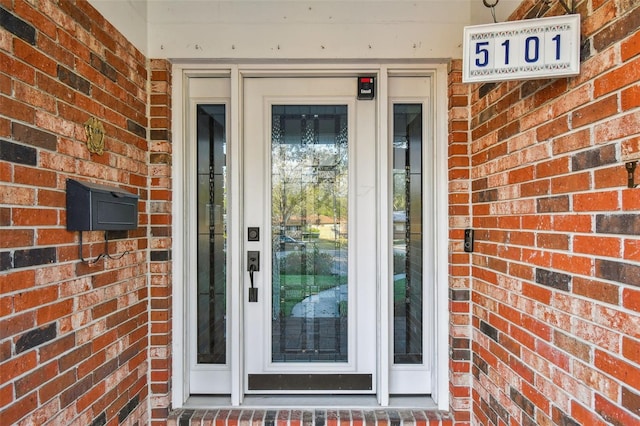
299, 29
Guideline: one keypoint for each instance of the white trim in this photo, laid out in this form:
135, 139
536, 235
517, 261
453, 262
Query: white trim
384, 248
209, 377
179, 376
441, 262
440, 371
407, 89
236, 235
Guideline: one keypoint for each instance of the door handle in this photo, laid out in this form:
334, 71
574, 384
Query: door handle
253, 265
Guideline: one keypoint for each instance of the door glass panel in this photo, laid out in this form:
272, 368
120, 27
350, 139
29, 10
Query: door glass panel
309, 227
407, 234
211, 191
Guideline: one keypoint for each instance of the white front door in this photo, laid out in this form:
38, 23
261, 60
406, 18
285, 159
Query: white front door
310, 310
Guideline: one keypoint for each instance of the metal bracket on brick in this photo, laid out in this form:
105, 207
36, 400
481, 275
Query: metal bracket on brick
631, 169
103, 255
570, 10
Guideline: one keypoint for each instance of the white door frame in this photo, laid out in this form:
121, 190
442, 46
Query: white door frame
180, 271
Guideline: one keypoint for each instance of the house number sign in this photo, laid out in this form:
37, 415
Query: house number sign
529, 49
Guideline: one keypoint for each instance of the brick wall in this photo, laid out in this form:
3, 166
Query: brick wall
459, 261
544, 315
556, 272
160, 214
73, 335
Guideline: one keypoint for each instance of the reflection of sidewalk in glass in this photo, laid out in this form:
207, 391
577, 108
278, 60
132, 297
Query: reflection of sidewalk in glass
325, 304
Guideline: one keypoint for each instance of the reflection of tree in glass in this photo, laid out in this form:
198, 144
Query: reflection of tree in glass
287, 193
308, 179
400, 145
399, 190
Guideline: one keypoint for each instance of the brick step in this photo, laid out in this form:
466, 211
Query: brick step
311, 417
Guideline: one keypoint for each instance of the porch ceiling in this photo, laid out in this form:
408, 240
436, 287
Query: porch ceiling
298, 29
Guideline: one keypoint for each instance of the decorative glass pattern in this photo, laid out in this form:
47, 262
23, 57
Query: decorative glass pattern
309, 157
407, 234
212, 236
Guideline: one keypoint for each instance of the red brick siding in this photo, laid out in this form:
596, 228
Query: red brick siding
160, 240
459, 265
73, 336
544, 314
556, 271
299, 417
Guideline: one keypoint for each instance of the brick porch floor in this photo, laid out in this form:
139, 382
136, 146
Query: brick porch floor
310, 417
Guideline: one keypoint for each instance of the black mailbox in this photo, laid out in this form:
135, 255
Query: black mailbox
95, 207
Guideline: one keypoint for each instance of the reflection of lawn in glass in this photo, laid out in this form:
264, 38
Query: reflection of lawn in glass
324, 244
332, 244
399, 289
295, 288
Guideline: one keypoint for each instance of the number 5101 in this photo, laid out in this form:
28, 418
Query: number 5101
531, 48
510, 52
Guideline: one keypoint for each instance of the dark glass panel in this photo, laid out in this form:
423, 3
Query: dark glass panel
407, 234
211, 193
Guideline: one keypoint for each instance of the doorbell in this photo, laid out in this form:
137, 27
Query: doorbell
468, 240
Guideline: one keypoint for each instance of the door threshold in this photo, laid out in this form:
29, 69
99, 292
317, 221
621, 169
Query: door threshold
423, 402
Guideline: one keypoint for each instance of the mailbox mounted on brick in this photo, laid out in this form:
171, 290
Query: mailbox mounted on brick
95, 207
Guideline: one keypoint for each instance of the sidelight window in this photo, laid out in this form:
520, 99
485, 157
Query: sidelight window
407, 235
212, 235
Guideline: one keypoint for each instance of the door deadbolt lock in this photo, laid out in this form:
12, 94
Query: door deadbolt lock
253, 233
